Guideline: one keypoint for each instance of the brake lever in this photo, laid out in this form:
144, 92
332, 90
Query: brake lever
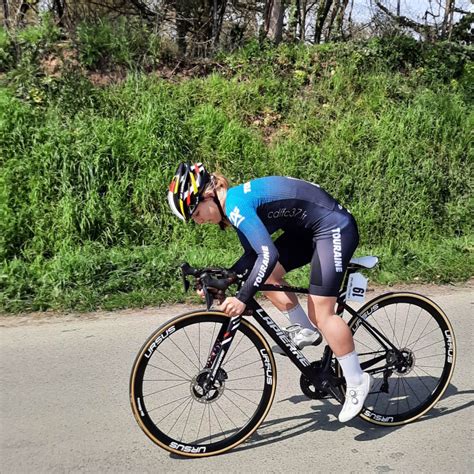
186, 283
209, 298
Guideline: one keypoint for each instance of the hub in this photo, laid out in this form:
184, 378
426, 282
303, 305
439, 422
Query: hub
200, 389
402, 362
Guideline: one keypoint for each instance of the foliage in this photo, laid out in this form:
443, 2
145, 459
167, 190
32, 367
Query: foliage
383, 126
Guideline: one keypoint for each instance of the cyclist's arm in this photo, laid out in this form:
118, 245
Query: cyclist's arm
261, 242
247, 261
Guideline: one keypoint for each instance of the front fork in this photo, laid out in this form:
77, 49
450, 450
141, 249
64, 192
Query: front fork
220, 349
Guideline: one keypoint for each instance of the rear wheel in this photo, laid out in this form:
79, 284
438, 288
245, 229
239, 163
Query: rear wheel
167, 391
410, 382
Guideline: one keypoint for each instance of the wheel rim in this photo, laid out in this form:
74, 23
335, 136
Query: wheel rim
421, 370
178, 412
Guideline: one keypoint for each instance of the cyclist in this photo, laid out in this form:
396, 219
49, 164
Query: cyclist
316, 229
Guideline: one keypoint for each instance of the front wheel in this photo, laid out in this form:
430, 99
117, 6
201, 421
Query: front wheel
169, 398
410, 381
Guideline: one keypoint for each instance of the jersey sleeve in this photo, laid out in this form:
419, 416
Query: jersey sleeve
246, 262
260, 241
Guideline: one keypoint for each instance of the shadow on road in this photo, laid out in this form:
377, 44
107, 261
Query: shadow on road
323, 417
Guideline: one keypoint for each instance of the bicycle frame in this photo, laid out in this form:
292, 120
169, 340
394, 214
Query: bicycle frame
321, 377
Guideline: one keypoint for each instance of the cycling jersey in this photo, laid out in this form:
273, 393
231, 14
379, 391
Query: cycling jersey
316, 227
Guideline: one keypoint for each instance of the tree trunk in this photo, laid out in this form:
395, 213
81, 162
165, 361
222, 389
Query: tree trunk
323, 10
332, 17
303, 15
6, 14
218, 19
294, 20
274, 20
447, 25
58, 8
340, 19
22, 11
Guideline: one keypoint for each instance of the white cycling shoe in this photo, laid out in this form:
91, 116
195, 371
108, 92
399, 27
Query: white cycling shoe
301, 337
355, 398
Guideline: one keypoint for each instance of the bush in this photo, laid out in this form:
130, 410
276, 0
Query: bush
84, 220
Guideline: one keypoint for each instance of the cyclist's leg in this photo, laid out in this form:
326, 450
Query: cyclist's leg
334, 244
334, 329
295, 250
282, 300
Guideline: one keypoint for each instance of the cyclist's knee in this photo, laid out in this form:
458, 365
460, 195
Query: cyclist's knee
276, 277
321, 308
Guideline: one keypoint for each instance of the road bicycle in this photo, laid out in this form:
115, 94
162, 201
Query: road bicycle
203, 382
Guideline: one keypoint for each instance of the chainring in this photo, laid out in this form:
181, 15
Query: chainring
309, 389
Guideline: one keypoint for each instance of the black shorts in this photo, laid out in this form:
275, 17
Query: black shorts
329, 248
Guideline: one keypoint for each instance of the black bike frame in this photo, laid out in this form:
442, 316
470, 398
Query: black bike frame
322, 377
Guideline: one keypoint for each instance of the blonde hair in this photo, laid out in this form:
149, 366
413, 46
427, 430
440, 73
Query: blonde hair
219, 185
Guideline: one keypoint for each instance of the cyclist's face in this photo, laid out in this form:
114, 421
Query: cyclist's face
206, 212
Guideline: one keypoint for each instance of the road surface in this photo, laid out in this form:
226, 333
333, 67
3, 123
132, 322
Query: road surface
65, 405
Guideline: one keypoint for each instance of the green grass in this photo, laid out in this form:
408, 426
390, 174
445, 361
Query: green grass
84, 221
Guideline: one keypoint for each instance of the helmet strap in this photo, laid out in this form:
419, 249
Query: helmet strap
223, 217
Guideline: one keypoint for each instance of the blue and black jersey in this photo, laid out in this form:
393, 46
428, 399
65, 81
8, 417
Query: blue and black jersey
314, 224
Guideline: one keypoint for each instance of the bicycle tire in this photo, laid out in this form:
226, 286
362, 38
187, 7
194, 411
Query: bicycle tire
178, 337
427, 383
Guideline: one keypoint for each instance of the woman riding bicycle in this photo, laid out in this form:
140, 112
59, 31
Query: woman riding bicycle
316, 230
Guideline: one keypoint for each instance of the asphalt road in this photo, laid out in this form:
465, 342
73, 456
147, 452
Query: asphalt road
65, 406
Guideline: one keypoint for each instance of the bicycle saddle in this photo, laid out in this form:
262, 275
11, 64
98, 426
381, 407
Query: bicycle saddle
365, 262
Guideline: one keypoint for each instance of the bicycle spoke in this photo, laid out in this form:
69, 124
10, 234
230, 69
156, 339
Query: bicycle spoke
234, 348
192, 346
246, 390
425, 372
212, 339
168, 372
407, 398
240, 395
390, 324
420, 338
427, 357
395, 324
163, 380
164, 389
242, 366
233, 403
169, 403
187, 419
226, 414
177, 366
421, 381
416, 322
429, 345
209, 416
238, 355
218, 422
185, 355
243, 378
358, 341
202, 418
405, 325
180, 414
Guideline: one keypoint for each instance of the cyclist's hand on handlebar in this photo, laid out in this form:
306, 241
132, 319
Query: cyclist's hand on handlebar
232, 306
200, 293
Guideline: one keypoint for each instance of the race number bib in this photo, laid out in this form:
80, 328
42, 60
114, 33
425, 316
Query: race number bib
356, 287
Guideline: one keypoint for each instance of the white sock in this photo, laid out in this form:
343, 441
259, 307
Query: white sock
297, 315
351, 368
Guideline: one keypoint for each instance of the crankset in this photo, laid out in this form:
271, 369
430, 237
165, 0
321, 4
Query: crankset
313, 390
